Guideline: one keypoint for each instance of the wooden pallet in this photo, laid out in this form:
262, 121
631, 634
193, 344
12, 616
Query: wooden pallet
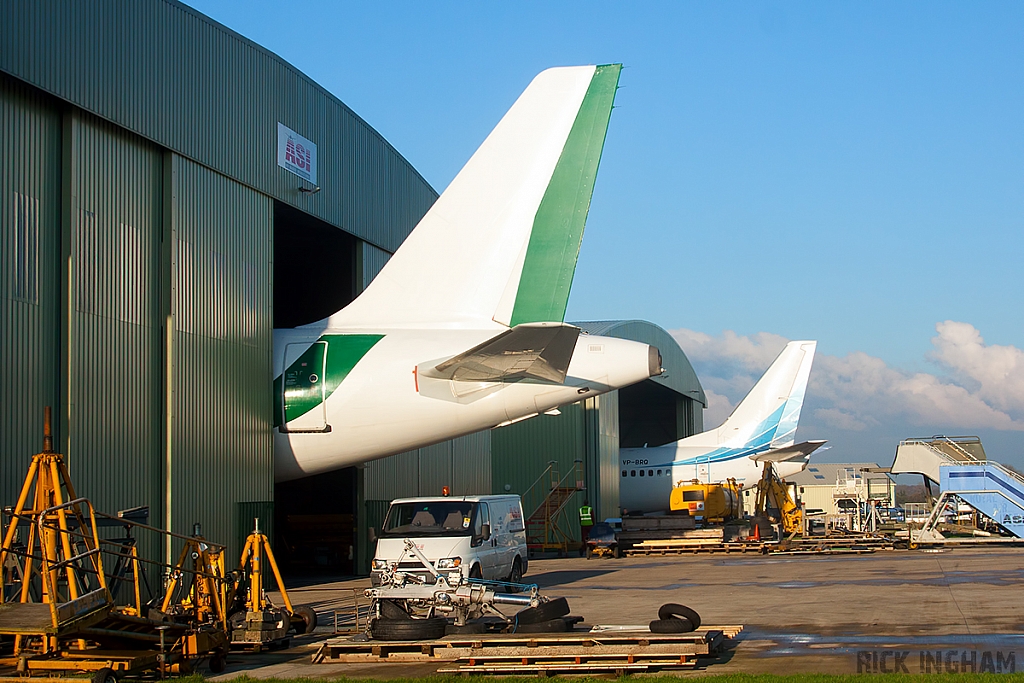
617, 665
682, 546
605, 650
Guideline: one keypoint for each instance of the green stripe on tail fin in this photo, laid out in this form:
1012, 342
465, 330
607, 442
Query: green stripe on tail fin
558, 226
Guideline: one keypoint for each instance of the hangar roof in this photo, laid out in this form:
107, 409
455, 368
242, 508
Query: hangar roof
678, 376
180, 79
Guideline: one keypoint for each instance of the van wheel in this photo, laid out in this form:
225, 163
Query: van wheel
516, 575
616, 552
476, 572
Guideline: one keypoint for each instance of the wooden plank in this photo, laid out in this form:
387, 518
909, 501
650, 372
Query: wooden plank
25, 618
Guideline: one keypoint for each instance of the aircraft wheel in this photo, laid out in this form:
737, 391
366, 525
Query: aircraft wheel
672, 610
673, 625
409, 629
549, 626
545, 611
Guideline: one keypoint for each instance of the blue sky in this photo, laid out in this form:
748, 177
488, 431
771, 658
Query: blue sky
851, 172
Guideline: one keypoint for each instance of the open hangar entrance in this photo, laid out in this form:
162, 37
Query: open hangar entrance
317, 271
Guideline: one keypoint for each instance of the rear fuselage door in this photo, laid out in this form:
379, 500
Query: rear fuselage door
304, 387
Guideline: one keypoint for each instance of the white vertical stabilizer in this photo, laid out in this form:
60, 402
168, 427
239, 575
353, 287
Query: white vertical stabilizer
772, 408
462, 262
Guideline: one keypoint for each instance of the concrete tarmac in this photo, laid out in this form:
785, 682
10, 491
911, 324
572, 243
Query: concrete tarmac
905, 611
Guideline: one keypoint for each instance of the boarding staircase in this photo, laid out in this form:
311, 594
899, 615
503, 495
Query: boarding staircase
965, 476
547, 528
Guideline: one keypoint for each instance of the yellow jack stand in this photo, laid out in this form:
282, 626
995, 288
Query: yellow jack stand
261, 623
63, 542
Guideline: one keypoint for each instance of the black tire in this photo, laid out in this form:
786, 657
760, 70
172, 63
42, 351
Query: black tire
545, 611
549, 626
236, 620
673, 625
469, 628
409, 629
389, 609
590, 552
673, 610
104, 675
475, 572
304, 619
218, 663
616, 552
516, 575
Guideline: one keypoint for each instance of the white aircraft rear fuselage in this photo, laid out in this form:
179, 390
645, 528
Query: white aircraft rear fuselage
389, 404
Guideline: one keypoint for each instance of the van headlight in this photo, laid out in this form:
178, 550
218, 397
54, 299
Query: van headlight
380, 565
449, 562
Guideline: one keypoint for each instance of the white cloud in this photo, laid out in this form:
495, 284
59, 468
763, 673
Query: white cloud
994, 373
984, 388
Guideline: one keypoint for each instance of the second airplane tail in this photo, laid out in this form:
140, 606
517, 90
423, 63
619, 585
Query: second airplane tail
769, 414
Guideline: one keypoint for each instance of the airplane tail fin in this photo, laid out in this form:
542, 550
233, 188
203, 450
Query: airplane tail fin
769, 414
501, 242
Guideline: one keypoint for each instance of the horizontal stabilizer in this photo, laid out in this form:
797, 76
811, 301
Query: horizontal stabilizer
794, 452
531, 350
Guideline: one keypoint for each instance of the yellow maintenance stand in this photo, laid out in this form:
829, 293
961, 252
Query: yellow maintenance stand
56, 605
60, 559
255, 622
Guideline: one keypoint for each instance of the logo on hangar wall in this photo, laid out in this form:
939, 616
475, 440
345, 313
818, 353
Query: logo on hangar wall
295, 153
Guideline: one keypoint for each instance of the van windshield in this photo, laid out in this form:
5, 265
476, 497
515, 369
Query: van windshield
431, 518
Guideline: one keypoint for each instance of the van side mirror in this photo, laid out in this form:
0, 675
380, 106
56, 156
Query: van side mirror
485, 532
373, 534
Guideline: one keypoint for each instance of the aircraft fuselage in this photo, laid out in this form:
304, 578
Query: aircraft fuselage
345, 396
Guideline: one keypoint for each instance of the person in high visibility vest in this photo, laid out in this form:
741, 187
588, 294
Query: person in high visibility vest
586, 520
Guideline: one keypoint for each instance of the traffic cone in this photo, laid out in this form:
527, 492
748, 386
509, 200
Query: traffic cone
757, 531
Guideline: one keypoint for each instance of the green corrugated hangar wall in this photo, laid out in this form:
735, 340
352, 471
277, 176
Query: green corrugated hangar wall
138, 186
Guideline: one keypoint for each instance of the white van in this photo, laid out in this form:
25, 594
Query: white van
485, 536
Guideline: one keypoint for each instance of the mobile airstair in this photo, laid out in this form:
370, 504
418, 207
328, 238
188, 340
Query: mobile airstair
969, 483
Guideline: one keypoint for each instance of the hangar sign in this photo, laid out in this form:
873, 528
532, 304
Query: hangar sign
295, 153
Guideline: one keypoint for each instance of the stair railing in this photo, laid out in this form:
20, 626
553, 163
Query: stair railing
534, 496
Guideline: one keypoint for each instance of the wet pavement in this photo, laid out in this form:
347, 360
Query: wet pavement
906, 611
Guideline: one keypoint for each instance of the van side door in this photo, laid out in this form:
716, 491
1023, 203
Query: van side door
485, 548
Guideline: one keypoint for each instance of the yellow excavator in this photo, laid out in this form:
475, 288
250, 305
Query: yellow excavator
775, 502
